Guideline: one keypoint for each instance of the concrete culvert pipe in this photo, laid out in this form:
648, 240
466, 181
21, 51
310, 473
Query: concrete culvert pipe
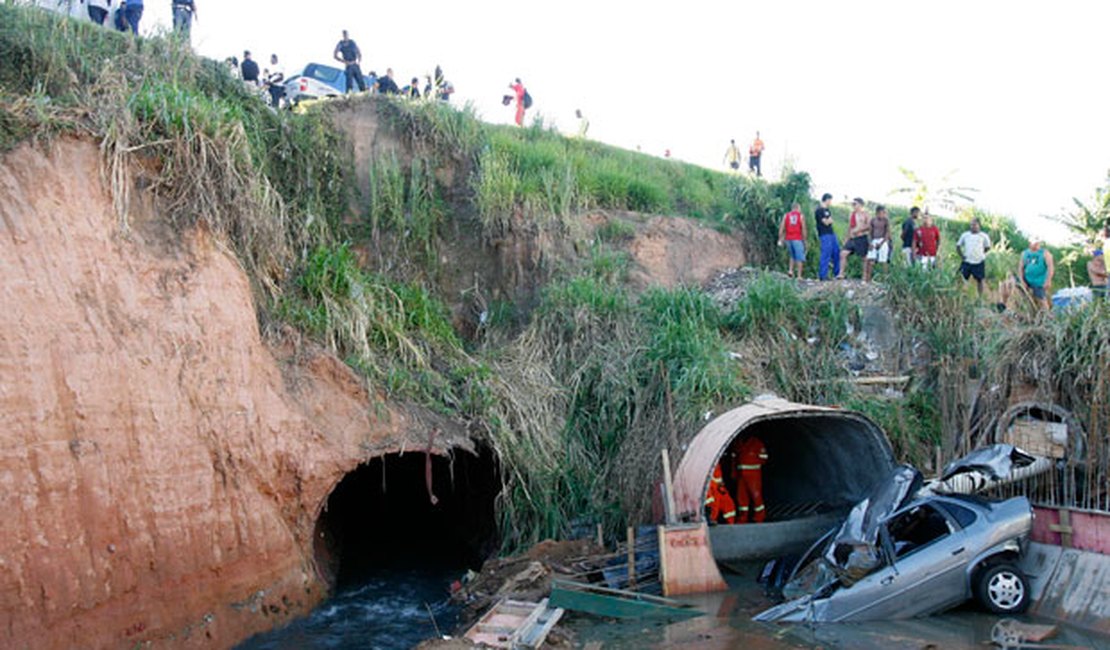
820, 462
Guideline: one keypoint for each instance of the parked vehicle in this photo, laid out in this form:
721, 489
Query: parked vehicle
930, 554
316, 81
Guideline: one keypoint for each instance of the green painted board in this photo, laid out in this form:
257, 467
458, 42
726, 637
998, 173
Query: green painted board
616, 603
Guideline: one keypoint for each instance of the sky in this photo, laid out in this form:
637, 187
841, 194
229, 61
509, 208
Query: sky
1011, 97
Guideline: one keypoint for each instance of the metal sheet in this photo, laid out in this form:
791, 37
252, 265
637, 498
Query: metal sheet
855, 434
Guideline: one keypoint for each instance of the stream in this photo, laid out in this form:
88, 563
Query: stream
388, 610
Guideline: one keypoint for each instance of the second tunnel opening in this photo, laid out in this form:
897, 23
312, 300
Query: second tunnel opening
382, 515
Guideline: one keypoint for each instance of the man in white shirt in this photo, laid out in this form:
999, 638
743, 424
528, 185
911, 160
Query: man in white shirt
973, 246
98, 10
275, 81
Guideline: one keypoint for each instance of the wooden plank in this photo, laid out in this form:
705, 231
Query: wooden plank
535, 631
1064, 528
616, 603
668, 487
632, 557
686, 564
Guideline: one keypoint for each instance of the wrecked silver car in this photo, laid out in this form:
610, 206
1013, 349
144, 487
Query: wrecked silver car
899, 555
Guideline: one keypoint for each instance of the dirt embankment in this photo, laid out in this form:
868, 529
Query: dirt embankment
473, 270
161, 466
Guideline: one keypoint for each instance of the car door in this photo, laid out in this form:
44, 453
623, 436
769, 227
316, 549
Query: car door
931, 572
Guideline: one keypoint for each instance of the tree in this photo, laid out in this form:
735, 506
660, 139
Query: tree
1088, 220
942, 195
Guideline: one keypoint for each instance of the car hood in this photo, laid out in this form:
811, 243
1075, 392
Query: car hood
853, 546
996, 461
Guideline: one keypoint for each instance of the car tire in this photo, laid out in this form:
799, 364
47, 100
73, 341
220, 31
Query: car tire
1002, 589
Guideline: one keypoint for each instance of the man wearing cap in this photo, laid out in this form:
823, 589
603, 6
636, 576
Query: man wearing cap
830, 247
1036, 269
1096, 271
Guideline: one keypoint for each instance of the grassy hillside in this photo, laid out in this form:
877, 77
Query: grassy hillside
577, 398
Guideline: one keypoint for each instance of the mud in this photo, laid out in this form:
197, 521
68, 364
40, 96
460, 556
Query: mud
161, 465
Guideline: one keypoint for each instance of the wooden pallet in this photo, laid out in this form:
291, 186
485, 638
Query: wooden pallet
515, 625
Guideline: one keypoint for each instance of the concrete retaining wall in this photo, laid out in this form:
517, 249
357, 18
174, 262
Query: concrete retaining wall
1069, 585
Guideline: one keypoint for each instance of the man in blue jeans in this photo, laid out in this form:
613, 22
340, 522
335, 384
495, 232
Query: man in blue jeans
133, 11
830, 247
347, 53
183, 13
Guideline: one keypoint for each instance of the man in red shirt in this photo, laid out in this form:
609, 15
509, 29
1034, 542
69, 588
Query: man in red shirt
518, 91
792, 234
926, 242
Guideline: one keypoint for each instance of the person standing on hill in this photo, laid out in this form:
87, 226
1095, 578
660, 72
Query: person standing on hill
792, 234
347, 53
583, 124
879, 247
909, 227
973, 245
98, 10
830, 247
386, 85
1096, 271
183, 13
732, 156
1036, 270
133, 11
519, 93
926, 242
859, 229
755, 156
248, 69
275, 81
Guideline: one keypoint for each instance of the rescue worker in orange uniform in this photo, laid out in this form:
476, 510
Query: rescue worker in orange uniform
751, 455
718, 501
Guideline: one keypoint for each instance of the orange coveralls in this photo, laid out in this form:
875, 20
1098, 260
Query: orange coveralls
750, 458
718, 500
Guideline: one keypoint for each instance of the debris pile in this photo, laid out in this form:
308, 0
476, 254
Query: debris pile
525, 577
729, 287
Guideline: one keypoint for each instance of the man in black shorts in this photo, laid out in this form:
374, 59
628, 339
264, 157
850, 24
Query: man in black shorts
973, 246
347, 53
859, 240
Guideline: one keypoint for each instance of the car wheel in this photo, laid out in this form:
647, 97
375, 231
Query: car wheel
1002, 589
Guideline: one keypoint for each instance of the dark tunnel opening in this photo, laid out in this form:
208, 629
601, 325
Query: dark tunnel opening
819, 463
380, 516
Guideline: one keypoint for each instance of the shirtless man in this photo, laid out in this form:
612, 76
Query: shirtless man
859, 230
879, 245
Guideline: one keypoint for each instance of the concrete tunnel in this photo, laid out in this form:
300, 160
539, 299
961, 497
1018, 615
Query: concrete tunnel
380, 514
821, 462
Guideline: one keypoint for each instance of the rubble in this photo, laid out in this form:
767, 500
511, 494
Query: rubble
526, 576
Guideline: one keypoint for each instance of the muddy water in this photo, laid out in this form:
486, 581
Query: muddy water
389, 610
728, 625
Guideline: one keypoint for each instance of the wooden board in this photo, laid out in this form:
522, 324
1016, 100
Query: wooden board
686, 563
515, 624
616, 603
1036, 437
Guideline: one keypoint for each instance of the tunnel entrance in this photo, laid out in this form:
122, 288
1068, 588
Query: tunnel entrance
381, 516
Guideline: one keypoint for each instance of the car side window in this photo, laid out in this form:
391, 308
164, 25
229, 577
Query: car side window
963, 516
916, 528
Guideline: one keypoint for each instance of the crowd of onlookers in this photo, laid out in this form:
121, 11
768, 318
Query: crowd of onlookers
872, 239
272, 78
125, 15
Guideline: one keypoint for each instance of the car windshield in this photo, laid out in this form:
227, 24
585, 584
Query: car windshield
321, 73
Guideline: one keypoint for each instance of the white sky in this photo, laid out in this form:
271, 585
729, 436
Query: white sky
1014, 97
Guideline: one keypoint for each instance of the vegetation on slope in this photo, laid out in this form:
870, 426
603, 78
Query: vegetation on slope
579, 400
